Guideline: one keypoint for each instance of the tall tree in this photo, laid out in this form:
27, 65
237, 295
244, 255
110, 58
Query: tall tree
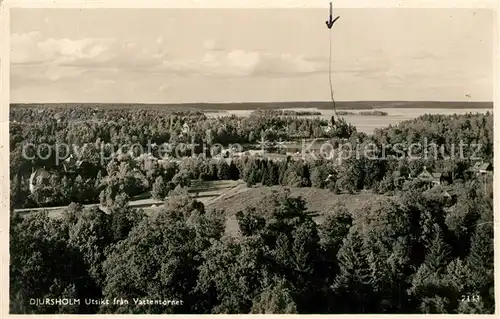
352, 285
428, 286
160, 190
276, 298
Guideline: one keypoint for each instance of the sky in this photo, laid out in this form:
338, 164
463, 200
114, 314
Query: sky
250, 55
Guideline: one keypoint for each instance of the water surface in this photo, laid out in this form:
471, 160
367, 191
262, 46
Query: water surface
367, 123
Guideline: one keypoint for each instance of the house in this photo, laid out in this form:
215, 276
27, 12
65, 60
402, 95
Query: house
257, 153
476, 166
452, 196
69, 163
472, 171
437, 178
398, 179
485, 168
448, 195
327, 129
430, 178
38, 177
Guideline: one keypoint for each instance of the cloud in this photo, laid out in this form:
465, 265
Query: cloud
425, 55
100, 84
373, 66
32, 49
36, 74
242, 63
37, 60
104, 82
103, 53
164, 87
209, 44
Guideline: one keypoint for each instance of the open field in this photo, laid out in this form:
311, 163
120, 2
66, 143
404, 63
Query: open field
319, 201
207, 191
233, 196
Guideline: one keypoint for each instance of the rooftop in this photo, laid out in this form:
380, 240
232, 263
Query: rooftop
485, 166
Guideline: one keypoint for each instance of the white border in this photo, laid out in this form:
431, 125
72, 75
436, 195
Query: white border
251, 3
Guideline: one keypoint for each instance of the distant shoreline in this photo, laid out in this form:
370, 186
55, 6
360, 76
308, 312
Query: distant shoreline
346, 105
364, 113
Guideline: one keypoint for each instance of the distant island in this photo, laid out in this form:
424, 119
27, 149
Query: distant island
214, 107
279, 112
364, 113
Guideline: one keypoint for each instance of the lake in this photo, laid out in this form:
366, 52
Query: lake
363, 123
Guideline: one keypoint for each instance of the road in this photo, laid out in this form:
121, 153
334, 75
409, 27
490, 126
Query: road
206, 193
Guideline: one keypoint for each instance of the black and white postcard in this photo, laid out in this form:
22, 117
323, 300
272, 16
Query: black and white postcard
239, 157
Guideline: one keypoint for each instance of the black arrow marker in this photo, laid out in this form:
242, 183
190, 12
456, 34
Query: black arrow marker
331, 21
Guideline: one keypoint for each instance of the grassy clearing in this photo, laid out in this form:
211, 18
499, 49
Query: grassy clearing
320, 201
234, 196
206, 192
211, 186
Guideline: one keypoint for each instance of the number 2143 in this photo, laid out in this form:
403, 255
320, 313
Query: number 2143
469, 298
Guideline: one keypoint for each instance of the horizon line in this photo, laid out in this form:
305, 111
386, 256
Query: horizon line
260, 102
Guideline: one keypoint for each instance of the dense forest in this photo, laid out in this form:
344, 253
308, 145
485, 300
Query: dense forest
413, 251
105, 171
405, 254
